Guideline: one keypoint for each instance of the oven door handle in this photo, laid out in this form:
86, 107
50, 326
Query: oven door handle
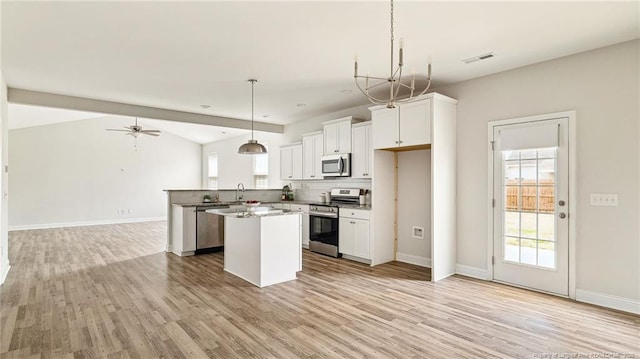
323, 214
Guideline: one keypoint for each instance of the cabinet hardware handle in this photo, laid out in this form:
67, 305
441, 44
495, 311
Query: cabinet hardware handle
397, 142
400, 141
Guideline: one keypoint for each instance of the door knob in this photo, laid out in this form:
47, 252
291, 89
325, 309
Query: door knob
562, 215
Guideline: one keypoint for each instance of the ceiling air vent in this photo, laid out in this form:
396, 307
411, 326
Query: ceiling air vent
488, 55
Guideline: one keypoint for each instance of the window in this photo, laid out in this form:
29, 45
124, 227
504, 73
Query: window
212, 168
529, 205
261, 170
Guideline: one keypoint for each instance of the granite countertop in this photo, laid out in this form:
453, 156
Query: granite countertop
206, 204
222, 204
356, 206
252, 212
339, 205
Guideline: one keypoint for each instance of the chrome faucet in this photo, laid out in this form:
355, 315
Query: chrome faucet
240, 195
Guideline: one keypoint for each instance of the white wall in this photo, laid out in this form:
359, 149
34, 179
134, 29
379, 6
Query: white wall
293, 132
602, 86
4, 209
4, 142
78, 173
234, 168
414, 206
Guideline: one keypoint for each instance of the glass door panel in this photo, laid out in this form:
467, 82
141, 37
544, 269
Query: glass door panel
529, 206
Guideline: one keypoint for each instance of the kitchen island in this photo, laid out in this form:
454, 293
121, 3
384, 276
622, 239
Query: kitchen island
262, 245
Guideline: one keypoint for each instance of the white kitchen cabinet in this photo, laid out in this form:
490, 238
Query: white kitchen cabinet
291, 162
362, 154
183, 230
337, 135
354, 236
312, 151
439, 127
405, 125
304, 208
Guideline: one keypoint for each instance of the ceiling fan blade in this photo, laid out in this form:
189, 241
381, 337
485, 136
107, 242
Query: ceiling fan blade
150, 133
113, 129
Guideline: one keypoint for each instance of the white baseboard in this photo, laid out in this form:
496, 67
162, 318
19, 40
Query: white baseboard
85, 223
4, 273
356, 259
473, 272
608, 301
411, 259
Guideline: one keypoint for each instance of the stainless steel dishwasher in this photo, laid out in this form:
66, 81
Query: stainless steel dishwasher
209, 230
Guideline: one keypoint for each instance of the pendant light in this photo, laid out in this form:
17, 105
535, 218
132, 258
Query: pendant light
252, 147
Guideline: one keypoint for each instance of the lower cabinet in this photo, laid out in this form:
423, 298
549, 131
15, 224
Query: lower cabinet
353, 228
183, 230
304, 208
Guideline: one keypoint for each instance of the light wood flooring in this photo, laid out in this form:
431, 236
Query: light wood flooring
112, 291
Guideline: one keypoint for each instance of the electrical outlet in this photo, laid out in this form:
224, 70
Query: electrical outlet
604, 199
418, 232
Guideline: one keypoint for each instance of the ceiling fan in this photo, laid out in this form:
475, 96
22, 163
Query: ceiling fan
136, 130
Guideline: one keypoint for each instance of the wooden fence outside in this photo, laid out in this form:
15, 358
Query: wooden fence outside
529, 192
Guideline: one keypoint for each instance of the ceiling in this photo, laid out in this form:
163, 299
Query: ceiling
22, 116
181, 55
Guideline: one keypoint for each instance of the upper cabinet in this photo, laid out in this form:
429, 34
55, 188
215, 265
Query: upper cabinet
405, 125
291, 162
337, 135
362, 150
312, 151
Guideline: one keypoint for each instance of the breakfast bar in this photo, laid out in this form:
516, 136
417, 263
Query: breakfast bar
262, 245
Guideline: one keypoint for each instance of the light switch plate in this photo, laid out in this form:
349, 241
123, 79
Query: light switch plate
604, 199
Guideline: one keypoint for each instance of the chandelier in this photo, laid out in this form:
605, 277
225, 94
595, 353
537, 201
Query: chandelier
394, 79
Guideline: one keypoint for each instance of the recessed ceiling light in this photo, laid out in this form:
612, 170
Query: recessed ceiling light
205, 106
488, 55
224, 132
346, 91
301, 104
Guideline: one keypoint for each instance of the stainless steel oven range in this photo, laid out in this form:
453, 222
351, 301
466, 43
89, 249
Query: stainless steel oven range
323, 221
323, 229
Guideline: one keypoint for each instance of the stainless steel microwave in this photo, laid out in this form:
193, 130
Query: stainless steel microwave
336, 165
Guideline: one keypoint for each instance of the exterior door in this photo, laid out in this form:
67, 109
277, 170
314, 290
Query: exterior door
530, 192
